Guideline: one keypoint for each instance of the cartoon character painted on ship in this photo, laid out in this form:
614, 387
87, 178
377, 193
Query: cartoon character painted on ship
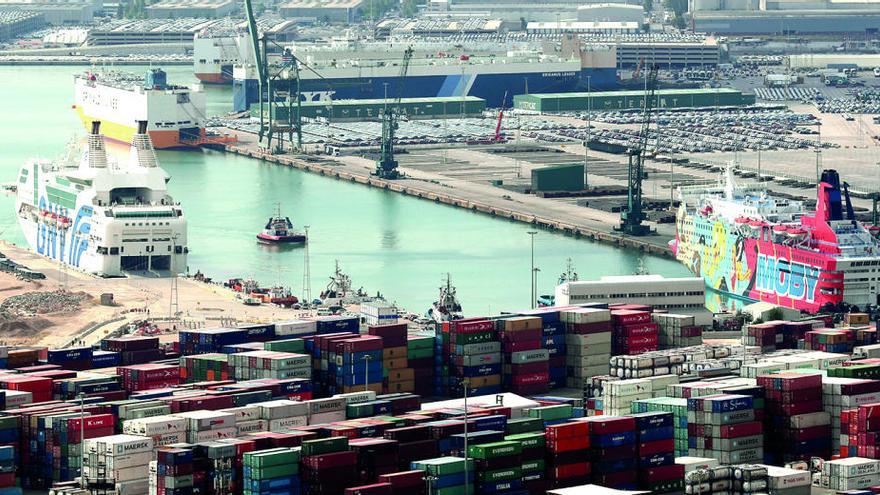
741, 275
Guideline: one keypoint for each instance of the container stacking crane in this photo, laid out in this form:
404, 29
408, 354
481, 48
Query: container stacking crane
632, 216
386, 165
279, 90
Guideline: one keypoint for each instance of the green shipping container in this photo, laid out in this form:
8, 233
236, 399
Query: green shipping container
528, 440
324, 445
454, 490
289, 345
494, 450
558, 178
524, 425
499, 475
426, 342
551, 413
419, 353
474, 338
272, 472
444, 465
535, 466
272, 457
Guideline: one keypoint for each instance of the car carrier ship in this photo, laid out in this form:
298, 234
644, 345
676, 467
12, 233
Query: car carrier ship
371, 70
119, 100
103, 217
751, 245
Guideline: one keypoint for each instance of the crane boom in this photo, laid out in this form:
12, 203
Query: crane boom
632, 217
500, 116
255, 40
386, 166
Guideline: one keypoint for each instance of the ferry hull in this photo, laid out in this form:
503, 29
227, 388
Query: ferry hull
754, 269
122, 133
214, 77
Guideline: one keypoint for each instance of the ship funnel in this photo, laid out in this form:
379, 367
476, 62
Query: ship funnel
142, 152
97, 154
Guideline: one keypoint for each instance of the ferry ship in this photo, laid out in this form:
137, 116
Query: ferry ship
118, 100
485, 72
103, 217
751, 245
215, 56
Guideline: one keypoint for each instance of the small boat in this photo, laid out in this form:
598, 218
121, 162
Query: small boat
279, 230
340, 290
446, 307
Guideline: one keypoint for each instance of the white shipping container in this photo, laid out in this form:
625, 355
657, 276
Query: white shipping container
588, 339
533, 356
850, 467
855, 482
629, 387
139, 459
133, 487
780, 478
810, 420
155, 425
585, 315
207, 435
118, 445
245, 427
694, 463
284, 408
284, 424
584, 361
295, 327
327, 417
589, 350
169, 438
118, 475
244, 413
358, 397
330, 404
207, 420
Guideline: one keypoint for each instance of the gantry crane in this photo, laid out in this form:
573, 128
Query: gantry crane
386, 165
279, 90
632, 216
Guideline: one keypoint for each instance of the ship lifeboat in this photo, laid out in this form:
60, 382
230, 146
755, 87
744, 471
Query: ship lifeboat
780, 229
797, 233
740, 221
874, 230
63, 222
756, 224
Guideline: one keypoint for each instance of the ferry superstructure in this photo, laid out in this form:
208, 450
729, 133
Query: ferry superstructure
103, 217
119, 100
752, 245
371, 70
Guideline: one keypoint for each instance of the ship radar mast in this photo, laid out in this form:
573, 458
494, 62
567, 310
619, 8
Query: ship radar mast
729, 181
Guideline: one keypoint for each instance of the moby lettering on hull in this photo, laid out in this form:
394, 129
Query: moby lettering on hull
746, 243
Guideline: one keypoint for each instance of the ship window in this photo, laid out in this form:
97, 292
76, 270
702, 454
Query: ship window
114, 250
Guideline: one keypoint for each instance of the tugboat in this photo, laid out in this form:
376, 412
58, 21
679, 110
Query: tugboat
339, 291
447, 307
569, 275
279, 230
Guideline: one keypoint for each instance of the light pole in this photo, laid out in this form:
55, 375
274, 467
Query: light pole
367, 359
82, 437
465, 384
532, 271
589, 135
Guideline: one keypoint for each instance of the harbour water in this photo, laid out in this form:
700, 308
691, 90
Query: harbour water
399, 245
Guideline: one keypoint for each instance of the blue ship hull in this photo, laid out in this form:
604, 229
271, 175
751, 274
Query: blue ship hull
490, 86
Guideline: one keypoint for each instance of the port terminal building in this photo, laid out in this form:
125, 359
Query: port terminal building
14, 23
336, 11
176, 9
627, 100
371, 109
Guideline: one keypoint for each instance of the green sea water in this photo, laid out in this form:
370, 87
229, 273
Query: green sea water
386, 242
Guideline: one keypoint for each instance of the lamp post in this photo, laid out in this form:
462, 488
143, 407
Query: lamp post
465, 384
532, 271
589, 135
367, 359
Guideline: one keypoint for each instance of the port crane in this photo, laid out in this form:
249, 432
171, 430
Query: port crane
632, 216
280, 111
386, 165
498, 137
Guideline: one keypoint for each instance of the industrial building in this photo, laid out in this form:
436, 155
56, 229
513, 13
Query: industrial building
427, 26
576, 27
513, 12
669, 54
685, 293
412, 108
611, 12
826, 60
568, 177
340, 11
624, 100
14, 23
176, 9
56, 13
787, 22
147, 31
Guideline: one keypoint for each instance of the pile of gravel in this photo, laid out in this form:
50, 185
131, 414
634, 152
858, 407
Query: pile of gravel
35, 303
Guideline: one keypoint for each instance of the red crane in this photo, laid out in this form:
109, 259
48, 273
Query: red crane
500, 116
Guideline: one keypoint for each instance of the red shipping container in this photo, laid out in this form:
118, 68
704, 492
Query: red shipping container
564, 471
588, 328
521, 335
531, 378
742, 429
568, 444
628, 317
530, 388
404, 479
98, 421
618, 478
468, 326
374, 489
567, 430
639, 329
656, 447
662, 473
331, 460
526, 368
362, 344
600, 425
521, 345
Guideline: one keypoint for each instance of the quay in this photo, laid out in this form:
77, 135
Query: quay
542, 213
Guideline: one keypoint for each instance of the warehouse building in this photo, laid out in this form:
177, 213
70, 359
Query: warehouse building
147, 31
14, 23
830, 60
340, 11
788, 22
624, 100
371, 109
576, 27
176, 9
611, 12
669, 54
56, 13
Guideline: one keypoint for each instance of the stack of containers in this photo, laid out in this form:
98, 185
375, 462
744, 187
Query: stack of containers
420, 355
678, 408
355, 364
376, 456
526, 367
7, 471
676, 331
405, 482
328, 467
256, 365
447, 475
786, 481
133, 349
321, 348
613, 451
633, 333
378, 313
498, 466
840, 394
474, 356
210, 340
272, 471
568, 453
163, 430
852, 473
655, 451
761, 335
830, 340
723, 480
248, 420
329, 410
587, 344
67, 435
413, 443
725, 427
204, 367
792, 430
148, 376
553, 339
618, 396
534, 444
172, 471
864, 430
203, 426
118, 460
40, 388
283, 415
398, 375
71, 358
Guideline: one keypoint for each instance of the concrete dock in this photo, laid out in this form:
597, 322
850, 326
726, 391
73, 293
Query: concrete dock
476, 196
